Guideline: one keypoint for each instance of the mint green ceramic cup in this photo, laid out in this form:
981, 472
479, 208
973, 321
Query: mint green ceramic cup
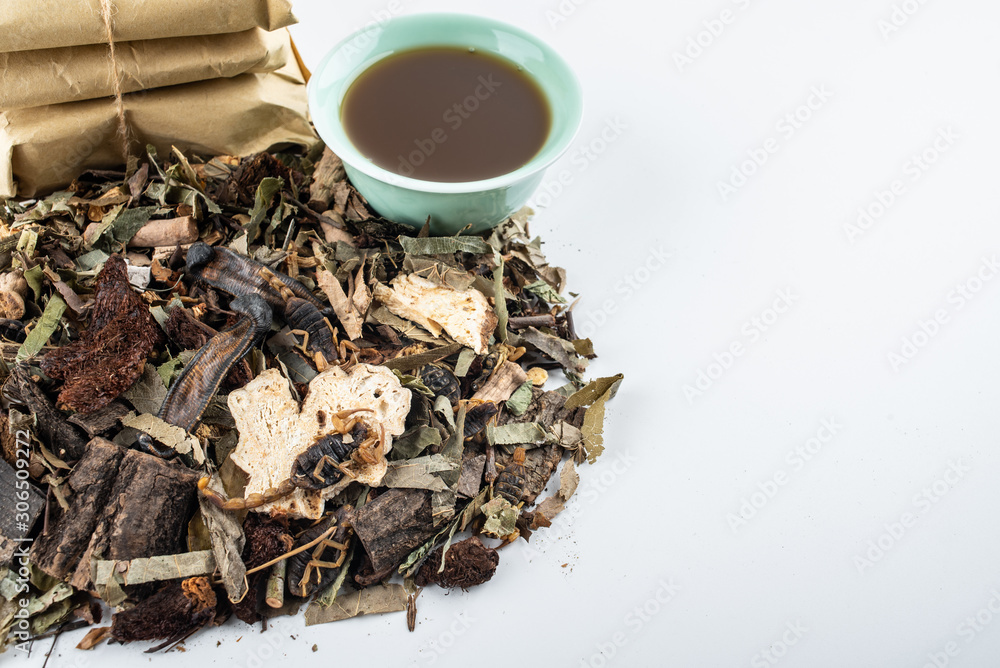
452, 207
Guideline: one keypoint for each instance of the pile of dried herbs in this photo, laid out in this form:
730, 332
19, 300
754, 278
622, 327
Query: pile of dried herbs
229, 389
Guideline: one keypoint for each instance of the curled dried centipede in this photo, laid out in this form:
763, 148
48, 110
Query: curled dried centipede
194, 388
239, 275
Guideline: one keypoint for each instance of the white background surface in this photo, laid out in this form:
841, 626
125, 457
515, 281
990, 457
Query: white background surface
662, 513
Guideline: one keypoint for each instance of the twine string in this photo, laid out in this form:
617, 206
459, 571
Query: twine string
107, 14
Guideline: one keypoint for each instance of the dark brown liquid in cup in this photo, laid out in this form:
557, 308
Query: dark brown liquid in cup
446, 114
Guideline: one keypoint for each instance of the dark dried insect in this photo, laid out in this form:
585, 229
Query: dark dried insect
478, 417
319, 466
489, 364
12, 330
238, 275
310, 569
306, 320
194, 388
510, 482
442, 382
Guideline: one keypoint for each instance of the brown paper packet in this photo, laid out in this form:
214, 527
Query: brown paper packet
47, 24
53, 76
44, 148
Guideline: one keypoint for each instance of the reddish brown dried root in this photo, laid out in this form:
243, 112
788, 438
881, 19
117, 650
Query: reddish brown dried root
468, 563
110, 356
172, 614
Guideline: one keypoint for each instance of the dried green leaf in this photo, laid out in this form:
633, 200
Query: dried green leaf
153, 569
415, 440
559, 350
593, 427
593, 390
443, 245
227, 543
521, 399
127, 223
47, 325
517, 433
33, 277
500, 305
369, 601
412, 383
545, 291
268, 188
413, 362
569, 480
166, 433
148, 393
419, 473
168, 369
465, 360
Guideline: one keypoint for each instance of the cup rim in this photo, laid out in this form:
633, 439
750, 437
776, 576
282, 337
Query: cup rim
336, 137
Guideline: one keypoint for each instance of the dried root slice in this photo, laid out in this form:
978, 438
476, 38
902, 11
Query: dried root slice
274, 431
464, 314
467, 564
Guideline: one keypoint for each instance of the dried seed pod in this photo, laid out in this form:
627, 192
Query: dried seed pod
238, 275
310, 569
441, 382
510, 482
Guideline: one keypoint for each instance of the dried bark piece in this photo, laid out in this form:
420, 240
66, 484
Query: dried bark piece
393, 525
100, 421
124, 505
328, 172
464, 314
173, 613
111, 354
53, 429
166, 232
507, 378
17, 516
467, 564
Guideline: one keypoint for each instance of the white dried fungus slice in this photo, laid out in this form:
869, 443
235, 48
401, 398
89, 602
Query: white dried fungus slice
464, 314
274, 431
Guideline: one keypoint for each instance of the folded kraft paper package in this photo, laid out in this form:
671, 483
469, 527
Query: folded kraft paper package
49, 24
45, 148
72, 73
205, 76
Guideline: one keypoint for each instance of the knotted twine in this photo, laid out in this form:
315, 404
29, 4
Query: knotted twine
107, 14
